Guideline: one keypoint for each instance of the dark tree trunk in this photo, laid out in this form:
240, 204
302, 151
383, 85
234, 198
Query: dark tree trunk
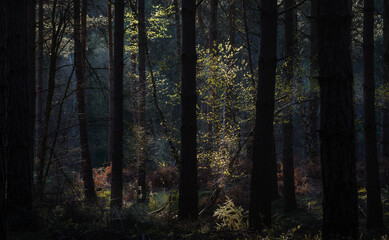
110, 44
188, 198
19, 173
110, 79
178, 37
49, 99
312, 138
89, 184
116, 148
133, 76
287, 126
385, 111
337, 131
246, 31
31, 77
80, 67
142, 101
260, 190
374, 205
39, 81
274, 177
3, 115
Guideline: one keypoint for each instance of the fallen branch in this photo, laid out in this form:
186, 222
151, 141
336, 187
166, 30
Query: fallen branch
158, 210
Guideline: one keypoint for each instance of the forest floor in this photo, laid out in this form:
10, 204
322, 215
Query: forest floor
158, 220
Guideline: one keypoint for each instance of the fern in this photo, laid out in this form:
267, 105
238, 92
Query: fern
230, 216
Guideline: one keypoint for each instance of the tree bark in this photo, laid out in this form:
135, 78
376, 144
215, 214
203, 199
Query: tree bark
246, 31
31, 77
287, 126
312, 138
260, 190
385, 111
39, 81
80, 67
142, 101
116, 154
374, 205
188, 192
133, 76
178, 37
337, 130
110, 80
19, 174
3, 115
49, 99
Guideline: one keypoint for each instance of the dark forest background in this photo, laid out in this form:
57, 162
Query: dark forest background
184, 119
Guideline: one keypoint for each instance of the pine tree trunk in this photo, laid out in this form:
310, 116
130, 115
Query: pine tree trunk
3, 115
312, 138
337, 130
246, 31
188, 192
260, 189
142, 101
110, 79
31, 77
287, 126
133, 76
19, 174
41, 181
374, 205
39, 81
116, 154
385, 111
178, 37
80, 67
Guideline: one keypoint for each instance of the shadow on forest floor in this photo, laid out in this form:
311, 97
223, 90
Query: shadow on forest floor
158, 220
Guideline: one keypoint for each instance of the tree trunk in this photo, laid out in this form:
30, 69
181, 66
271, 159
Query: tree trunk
80, 67
246, 31
178, 37
31, 77
385, 111
374, 205
260, 190
49, 99
39, 81
274, 167
142, 101
337, 131
188, 192
312, 138
3, 115
19, 175
110, 43
110, 79
133, 76
287, 126
116, 154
